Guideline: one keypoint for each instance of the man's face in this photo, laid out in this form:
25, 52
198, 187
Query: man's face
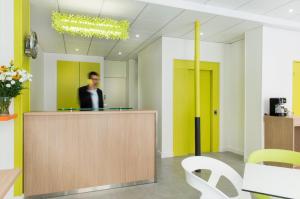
94, 80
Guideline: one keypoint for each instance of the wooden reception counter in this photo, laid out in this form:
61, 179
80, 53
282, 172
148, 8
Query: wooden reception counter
70, 152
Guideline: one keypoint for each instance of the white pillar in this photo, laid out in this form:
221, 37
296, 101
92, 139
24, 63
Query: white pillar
6, 54
253, 91
132, 84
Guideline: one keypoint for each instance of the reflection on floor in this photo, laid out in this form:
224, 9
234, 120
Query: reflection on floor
170, 182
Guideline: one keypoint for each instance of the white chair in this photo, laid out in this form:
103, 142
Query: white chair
208, 188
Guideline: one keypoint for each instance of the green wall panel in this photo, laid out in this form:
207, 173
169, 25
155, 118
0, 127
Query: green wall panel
85, 68
70, 76
67, 84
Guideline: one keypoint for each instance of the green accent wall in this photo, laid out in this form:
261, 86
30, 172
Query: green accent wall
70, 76
85, 68
67, 84
22, 102
296, 88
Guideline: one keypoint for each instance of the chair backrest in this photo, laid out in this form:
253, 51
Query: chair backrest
218, 169
275, 156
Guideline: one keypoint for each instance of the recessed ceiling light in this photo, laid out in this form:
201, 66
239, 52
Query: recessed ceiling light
201, 33
76, 49
119, 53
291, 10
137, 36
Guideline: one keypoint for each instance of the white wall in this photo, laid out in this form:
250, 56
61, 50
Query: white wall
115, 83
150, 82
280, 49
233, 97
270, 53
132, 83
253, 91
7, 31
173, 48
6, 54
50, 74
37, 84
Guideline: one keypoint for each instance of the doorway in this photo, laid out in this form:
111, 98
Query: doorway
296, 88
184, 107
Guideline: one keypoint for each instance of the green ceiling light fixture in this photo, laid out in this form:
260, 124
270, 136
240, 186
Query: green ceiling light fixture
85, 26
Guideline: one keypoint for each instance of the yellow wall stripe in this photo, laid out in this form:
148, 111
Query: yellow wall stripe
296, 88
22, 102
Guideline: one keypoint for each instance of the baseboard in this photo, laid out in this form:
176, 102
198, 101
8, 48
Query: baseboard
233, 150
167, 155
224, 149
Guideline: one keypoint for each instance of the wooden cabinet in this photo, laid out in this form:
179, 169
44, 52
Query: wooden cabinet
70, 76
282, 133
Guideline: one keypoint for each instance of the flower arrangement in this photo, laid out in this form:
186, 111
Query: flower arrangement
12, 81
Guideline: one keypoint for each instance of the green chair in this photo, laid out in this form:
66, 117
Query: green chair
274, 156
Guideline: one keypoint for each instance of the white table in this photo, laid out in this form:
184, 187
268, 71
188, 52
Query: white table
7, 179
273, 181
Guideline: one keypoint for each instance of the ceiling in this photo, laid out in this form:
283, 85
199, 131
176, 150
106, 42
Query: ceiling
150, 22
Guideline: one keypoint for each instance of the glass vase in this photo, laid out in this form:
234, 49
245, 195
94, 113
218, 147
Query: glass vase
4, 105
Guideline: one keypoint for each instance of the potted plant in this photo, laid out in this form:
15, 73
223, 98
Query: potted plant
12, 80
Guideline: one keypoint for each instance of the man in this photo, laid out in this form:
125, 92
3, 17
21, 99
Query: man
90, 96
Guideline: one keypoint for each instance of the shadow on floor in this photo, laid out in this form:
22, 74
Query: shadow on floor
170, 182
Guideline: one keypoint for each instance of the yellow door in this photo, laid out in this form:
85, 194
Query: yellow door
184, 108
67, 84
85, 68
296, 89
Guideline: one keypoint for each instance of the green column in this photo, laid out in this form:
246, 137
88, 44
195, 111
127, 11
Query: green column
197, 90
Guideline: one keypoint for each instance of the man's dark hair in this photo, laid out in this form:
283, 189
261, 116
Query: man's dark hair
92, 73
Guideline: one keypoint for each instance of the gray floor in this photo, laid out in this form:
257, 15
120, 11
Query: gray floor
170, 182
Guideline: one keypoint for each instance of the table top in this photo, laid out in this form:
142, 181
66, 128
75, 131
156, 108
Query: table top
273, 181
7, 179
119, 112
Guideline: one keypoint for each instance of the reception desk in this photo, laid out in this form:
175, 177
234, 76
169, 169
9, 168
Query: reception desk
70, 152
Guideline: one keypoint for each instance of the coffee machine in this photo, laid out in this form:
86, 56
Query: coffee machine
277, 107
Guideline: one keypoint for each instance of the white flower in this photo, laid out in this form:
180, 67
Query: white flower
8, 85
9, 78
2, 77
12, 82
21, 80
